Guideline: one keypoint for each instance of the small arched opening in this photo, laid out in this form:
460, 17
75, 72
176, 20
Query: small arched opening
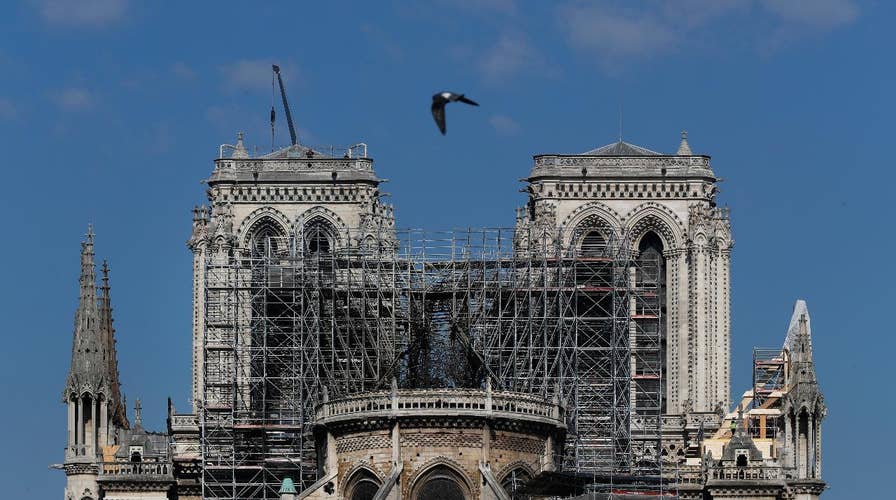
593, 244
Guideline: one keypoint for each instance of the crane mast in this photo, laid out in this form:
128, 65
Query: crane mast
292, 129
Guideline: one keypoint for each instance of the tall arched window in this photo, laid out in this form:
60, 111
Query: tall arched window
649, 317
267, 240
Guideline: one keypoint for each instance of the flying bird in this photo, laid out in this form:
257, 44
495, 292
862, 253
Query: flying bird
438, 106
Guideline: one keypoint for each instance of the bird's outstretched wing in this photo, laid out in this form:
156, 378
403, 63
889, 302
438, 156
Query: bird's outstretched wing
438, 114
461, 98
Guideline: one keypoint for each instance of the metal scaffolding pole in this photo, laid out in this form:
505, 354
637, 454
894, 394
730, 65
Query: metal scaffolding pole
295, 319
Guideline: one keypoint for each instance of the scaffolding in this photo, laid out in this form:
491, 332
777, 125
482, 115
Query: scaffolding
769, 385
294, 320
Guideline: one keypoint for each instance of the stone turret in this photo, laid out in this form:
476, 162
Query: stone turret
92, 391
803, 407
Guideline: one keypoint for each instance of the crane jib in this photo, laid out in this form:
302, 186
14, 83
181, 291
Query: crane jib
292, 129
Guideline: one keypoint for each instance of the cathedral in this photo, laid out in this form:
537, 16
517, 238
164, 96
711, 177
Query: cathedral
580, 353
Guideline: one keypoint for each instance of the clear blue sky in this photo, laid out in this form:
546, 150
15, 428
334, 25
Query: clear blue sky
111, 113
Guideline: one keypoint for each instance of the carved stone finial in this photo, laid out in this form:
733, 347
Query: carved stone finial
684, 149
239, 151
138, 418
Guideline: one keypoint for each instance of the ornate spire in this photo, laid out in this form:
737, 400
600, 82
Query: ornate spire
88, 350
116, 407
684, 149
799, 334
802, 383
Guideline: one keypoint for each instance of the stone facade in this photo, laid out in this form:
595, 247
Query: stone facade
474, 441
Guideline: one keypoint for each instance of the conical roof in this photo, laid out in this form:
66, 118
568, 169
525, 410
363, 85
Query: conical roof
88, 366
802, 384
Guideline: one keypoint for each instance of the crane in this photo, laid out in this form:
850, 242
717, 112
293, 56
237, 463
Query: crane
292, 129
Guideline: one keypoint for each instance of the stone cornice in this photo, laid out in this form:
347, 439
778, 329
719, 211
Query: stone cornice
292, 170
665, 166
75, 468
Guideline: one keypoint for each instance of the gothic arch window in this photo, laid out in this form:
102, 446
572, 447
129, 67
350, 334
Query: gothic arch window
441, 483
593, 244
319, 238
592, 236
514, 481
362, 485
649, 348
267, 239
650, 256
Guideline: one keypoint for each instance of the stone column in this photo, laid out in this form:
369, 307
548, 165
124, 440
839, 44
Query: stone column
91, 446
698, 334
71, 425
723, 327
80, 425
677, 303
818, 449
198, 323
104, 423
810, 446
676, 329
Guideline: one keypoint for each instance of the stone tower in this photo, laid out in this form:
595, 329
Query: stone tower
655, 204
96, 412
274, 203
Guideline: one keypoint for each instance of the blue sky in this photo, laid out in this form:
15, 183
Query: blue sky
111, 112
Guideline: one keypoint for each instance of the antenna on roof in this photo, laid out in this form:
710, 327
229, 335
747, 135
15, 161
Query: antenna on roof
620, 116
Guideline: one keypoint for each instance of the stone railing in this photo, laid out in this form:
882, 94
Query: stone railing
555, 161
160, 469
184, 422
298, 164
745, 473
697, 475
442, 402
693, 474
